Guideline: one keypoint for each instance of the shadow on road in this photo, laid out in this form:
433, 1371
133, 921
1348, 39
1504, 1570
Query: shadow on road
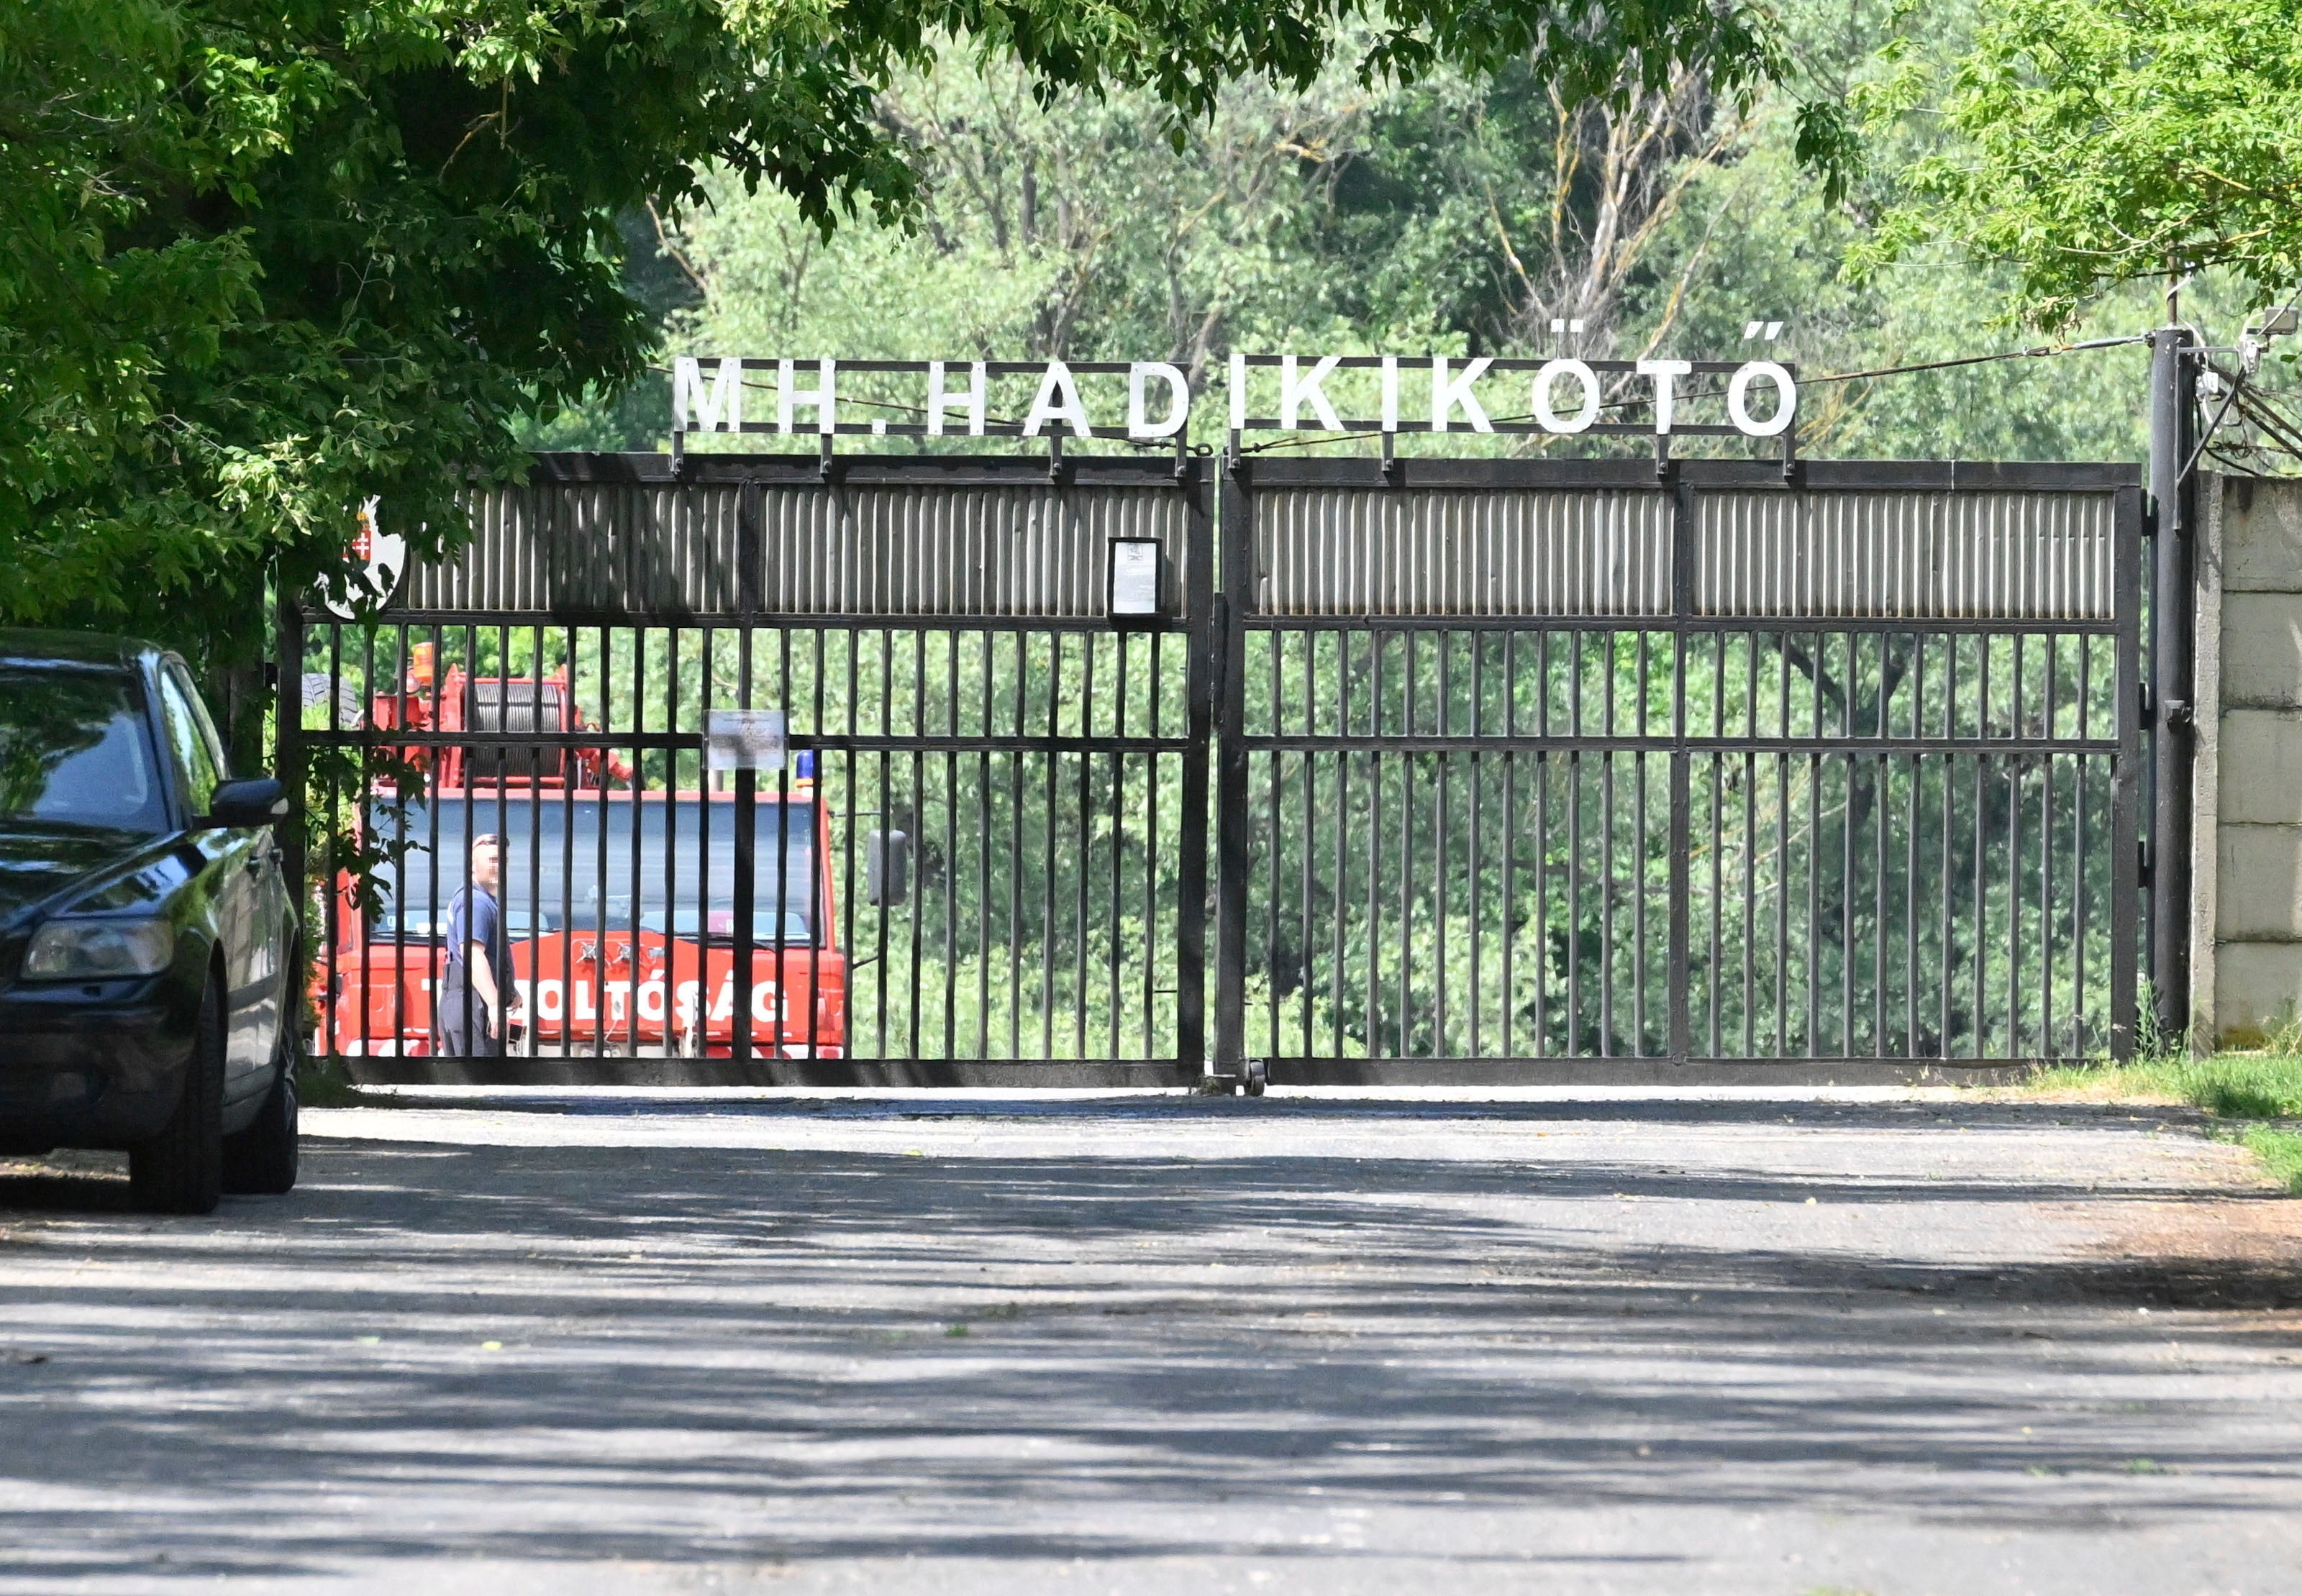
808, 1339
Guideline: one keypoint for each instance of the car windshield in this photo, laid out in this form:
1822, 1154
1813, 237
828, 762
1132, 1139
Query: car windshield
74, 751
585, 864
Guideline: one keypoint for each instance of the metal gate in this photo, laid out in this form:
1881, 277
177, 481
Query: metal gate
986, 844
1718, 760
1516, 764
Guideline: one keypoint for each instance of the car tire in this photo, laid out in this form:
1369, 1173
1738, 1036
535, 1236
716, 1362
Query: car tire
260, 1161
180, 1170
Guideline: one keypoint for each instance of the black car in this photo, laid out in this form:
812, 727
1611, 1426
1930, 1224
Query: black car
148, 949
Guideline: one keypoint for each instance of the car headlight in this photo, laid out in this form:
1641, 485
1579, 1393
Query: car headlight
95, 950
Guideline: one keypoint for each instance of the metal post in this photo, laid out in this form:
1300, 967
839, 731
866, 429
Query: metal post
747, 813
1231, 771
288, 765
1682, 609
2173, 383
2126, 773
1201, 640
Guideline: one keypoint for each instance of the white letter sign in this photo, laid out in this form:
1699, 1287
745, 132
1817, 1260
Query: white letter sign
707, 396
1551, 371
1447, 394
1665, 374
1058, 401
1295, 392
718, 407
1178, 399
970, 402
823, 398
1738, 399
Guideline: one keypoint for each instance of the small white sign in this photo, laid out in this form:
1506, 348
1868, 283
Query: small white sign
744, 740
1134, 576
383, 558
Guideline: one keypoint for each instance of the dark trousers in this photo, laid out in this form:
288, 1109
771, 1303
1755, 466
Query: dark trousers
455, 1042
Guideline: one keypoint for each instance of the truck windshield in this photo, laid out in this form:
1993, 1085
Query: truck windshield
593, 864
74, 751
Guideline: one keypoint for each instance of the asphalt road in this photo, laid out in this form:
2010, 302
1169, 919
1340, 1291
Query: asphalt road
1896, 1346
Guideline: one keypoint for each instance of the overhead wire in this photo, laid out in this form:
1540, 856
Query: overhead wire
2237, 386
2278, 432
2279, 428
2035, 353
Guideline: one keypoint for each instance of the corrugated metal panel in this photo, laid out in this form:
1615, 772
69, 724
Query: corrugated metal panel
2015, 556
588, 546
1471, 551
1023, 551
660, 550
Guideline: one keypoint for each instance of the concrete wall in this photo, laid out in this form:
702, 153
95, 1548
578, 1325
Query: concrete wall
2245, 931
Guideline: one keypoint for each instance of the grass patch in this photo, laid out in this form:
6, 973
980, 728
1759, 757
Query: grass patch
325, 1083
2256, 1086
2233, 1085
2280, 1152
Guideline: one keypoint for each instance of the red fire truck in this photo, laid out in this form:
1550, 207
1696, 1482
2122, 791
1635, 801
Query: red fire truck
620, 902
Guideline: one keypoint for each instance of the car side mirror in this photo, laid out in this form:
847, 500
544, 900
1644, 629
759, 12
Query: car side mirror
253, 800
887, 869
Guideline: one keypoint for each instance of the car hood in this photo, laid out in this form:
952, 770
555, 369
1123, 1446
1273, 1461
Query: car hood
42, 867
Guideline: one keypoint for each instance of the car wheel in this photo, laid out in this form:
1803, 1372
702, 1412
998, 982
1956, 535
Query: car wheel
180, 1170
261, 1160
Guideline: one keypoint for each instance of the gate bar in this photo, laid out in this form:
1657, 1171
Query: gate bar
1229, 655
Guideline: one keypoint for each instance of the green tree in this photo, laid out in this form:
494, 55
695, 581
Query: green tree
1457, 212
1454, 213
261, 259
2096, 144
265, 260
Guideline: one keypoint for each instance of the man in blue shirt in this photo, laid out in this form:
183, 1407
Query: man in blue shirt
470, 1008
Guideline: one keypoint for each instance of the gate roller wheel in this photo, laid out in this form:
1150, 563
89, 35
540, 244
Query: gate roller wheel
1258, 1076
